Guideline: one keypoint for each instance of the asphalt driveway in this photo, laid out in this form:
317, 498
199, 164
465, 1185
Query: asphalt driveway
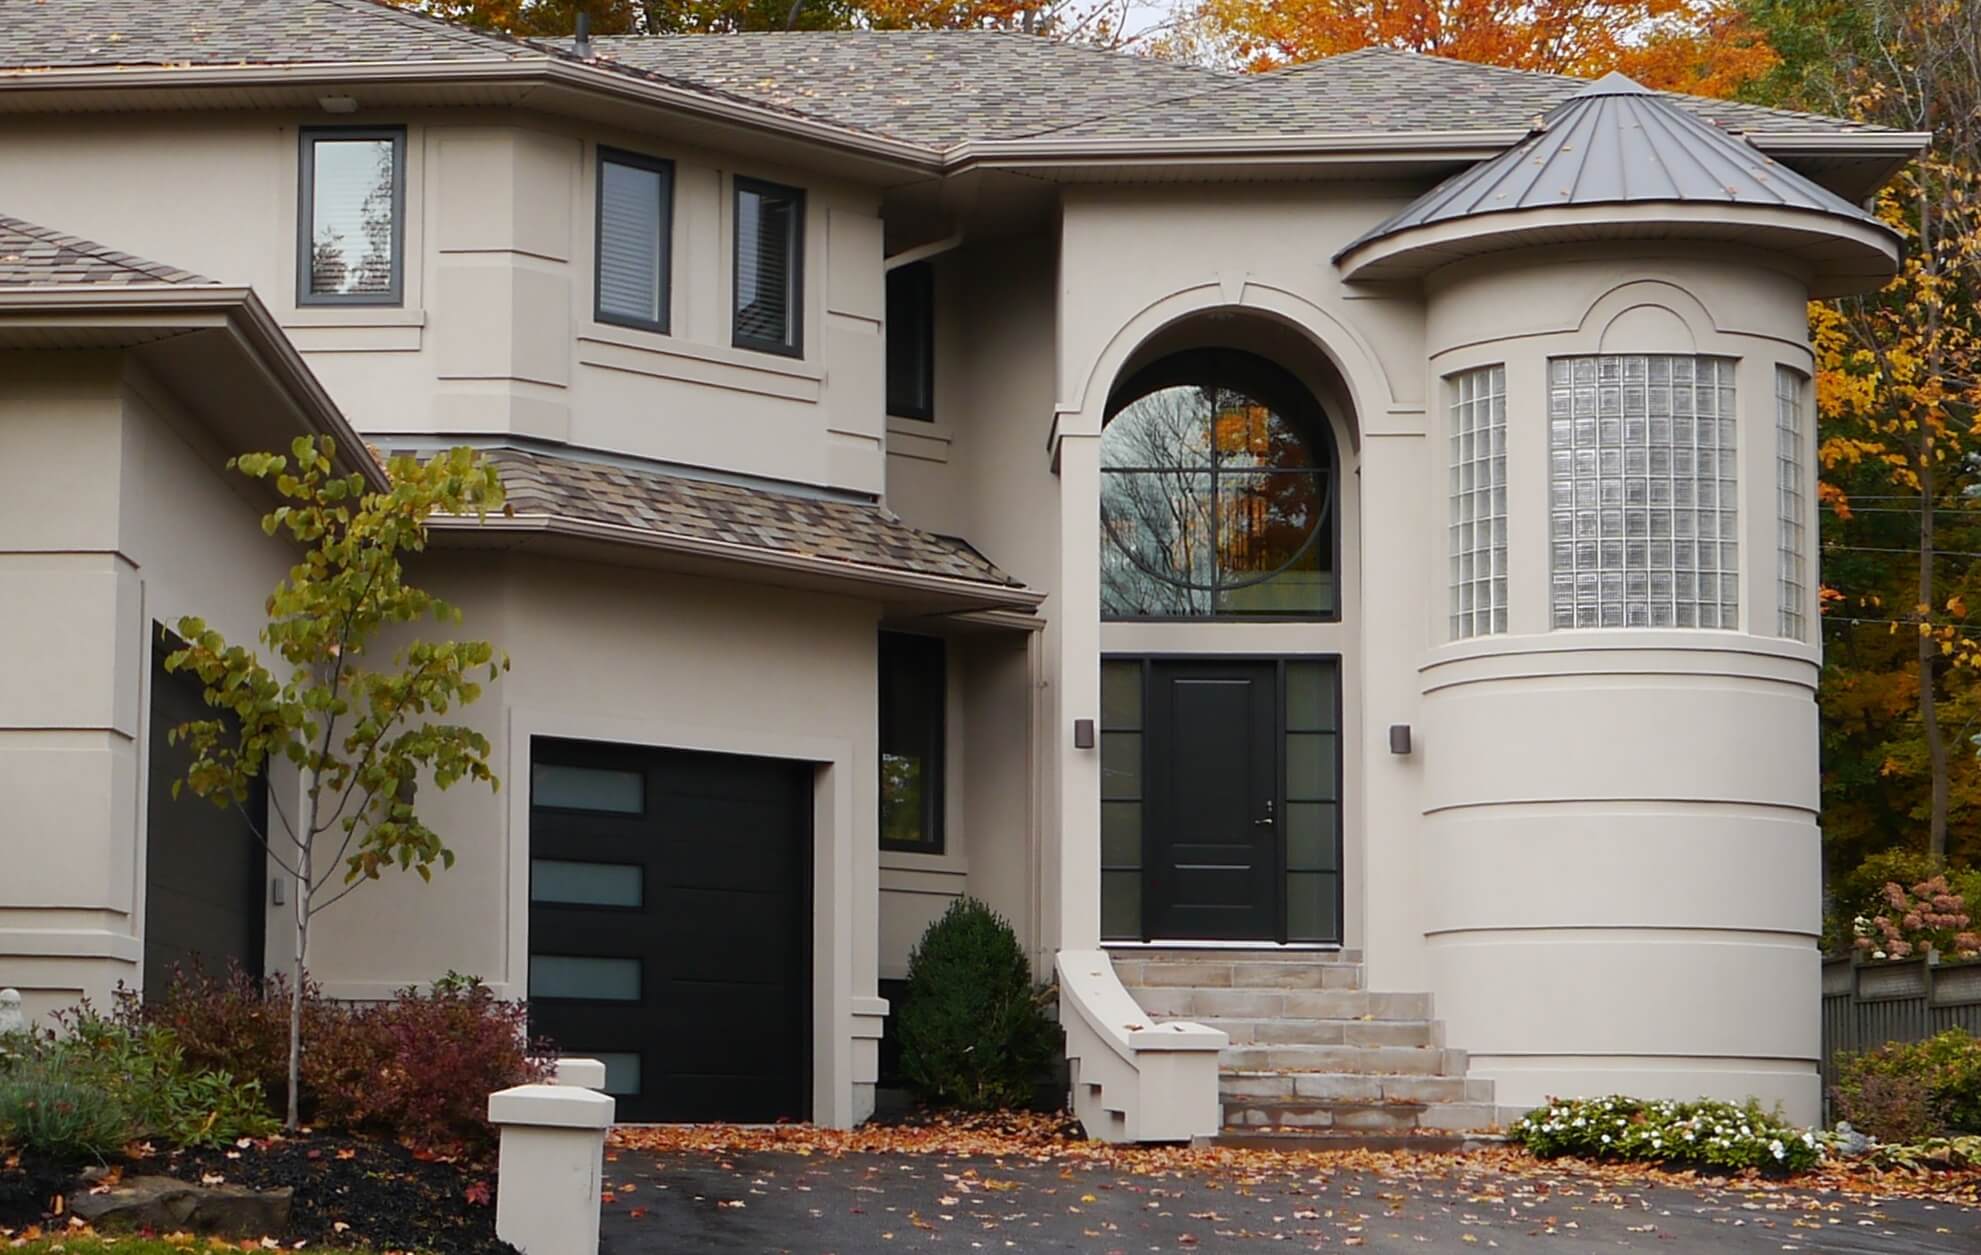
666, 1202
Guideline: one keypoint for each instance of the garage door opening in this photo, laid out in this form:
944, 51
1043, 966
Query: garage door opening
670, 926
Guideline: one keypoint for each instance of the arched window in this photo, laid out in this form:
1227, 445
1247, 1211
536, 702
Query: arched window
1217, 493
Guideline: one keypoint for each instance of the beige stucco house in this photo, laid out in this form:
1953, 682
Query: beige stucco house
1329, 555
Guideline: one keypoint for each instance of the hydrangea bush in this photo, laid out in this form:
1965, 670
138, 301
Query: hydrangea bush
1929, 915
1700, 1134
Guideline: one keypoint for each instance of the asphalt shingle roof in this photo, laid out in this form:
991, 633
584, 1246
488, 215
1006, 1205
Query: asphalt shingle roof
935, 89
49, 33
707, 510
35, 256
1382, 89
1616, 142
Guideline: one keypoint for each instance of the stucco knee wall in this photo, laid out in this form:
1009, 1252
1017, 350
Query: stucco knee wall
1622, 871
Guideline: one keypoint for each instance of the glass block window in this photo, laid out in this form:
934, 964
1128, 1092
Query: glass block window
1478, 502
1642, 492
1791, 399
1121, 799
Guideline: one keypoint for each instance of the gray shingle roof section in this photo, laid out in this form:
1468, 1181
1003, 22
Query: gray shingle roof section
50, 33
732, 514
936, 88
35, 256
1616, 142
1384, 90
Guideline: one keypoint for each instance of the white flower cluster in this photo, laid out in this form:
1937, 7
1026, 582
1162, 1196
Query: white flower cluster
1705, 1132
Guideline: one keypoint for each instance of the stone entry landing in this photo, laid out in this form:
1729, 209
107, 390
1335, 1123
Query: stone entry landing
1311, 1050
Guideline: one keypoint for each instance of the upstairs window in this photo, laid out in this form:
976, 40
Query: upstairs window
352, 216
635, 223
1642, 491
770, 263
911, 341
913, 677
1792, 563
1478, 502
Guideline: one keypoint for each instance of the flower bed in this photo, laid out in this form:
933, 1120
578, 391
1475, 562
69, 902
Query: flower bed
1701, 1134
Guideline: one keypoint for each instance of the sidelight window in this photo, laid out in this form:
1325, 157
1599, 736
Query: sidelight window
1642, 492
1792, 562
1478, 502
1217, 494
913, 674
770, 262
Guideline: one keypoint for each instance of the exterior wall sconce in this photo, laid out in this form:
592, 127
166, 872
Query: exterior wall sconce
1083, 734
1399, 738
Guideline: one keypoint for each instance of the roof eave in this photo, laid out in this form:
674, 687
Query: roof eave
194, 307
1845, 255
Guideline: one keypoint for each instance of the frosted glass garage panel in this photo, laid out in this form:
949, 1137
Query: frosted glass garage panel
591, 979
587, 788
585, 884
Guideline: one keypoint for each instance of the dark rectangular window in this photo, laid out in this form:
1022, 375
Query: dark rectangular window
351, 216
912, 679
911, 341
770, 267
635, 221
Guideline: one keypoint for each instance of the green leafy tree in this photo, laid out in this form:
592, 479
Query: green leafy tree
358, 732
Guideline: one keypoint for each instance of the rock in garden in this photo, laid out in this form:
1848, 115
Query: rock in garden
168, 1205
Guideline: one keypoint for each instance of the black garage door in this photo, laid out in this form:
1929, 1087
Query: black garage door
203, 866
670, 926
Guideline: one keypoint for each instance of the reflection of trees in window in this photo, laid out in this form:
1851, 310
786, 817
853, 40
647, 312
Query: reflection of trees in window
1212, 503
374, 270
353, 216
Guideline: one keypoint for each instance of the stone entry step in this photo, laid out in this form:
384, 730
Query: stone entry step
1313, 1053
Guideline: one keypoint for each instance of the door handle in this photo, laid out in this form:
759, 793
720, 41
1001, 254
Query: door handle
1267, 822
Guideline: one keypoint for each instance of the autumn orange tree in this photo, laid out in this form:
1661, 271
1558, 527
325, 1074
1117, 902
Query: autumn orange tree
1705, 46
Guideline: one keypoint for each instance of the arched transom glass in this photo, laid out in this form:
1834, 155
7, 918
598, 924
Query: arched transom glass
1217, 494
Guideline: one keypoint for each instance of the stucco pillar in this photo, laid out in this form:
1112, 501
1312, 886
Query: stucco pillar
550, 1167
1077, 613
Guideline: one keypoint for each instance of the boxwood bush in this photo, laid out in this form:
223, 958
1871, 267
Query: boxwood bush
974, 1033
1701, 1134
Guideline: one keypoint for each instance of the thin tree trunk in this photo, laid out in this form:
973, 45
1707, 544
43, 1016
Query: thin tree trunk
1929, 648
305, 828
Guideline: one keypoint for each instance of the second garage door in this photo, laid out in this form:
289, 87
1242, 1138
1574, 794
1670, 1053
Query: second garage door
670, 925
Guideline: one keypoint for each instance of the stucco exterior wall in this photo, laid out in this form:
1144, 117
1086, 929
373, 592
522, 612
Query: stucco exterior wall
641, 657
115, 515
1620, 852
496, 333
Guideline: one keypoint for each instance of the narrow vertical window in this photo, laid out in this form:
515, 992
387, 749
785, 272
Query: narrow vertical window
1641, 488
635, 221
1121, 799
351, 216
911, 341
770, 229
913, 674
1478, 502
1791, 396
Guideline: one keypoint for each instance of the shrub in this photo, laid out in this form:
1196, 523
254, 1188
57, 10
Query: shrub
974, 1032
1860, 892
45, 1112
1909, 921
418, 1068
143, 1067
1701, 1134
1873, 1087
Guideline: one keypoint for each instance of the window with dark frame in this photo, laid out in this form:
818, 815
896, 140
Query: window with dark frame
911, 341
351, 216
770, 265
635, 225
913, 675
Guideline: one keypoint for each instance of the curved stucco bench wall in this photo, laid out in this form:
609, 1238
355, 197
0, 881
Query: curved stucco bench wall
1621, 855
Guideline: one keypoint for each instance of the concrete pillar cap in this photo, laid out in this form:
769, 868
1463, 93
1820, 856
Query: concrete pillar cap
551, 1107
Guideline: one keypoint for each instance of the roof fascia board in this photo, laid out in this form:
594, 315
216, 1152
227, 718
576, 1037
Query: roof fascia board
976, 593
202, 307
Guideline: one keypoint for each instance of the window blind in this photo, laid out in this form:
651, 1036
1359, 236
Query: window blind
354, 233
768, 265
634, 211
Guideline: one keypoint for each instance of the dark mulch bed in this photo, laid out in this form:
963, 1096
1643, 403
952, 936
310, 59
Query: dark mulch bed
382, 1195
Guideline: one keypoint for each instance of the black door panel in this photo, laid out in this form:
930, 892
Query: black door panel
719, 1017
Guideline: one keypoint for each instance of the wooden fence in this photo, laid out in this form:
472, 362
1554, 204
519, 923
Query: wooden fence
1866, 1005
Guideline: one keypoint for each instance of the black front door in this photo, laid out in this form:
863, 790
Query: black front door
1212, 843
670, 926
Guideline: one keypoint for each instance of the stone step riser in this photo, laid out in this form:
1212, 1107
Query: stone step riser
1366, 1117
1240, 975
1294, 1004
1392, 1060
1232, 954
1328, 1032
1351, 1088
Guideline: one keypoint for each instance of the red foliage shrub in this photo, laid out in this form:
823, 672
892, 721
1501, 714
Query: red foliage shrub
418, 1068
